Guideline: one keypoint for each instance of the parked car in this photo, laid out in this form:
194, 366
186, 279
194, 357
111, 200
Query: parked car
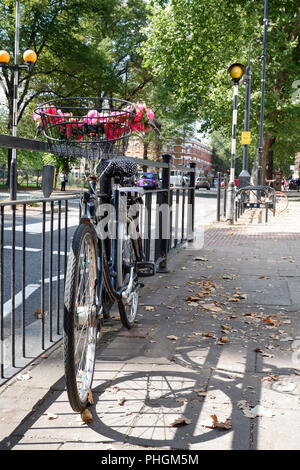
176, 178
202, 182
294, 183
148, 180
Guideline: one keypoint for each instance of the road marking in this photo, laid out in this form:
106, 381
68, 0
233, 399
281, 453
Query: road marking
38, 226
30, 289
20, 248
34, 250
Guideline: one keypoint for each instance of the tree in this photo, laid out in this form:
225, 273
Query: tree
83, 47
190, 45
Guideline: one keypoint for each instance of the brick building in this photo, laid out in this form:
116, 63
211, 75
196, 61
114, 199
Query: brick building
183, 152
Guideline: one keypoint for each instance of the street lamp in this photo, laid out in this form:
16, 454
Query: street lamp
29, 58
236, 72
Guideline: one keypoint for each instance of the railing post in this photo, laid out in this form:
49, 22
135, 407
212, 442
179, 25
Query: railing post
165, 199
191, 203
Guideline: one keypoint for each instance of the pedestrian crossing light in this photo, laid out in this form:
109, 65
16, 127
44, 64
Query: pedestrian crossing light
236, 72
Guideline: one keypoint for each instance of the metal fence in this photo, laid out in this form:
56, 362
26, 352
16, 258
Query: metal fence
35, 238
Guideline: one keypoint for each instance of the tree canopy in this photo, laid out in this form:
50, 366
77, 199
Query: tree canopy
191, 43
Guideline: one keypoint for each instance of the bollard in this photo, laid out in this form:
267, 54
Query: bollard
225, 196
219, 198
165, 199
191, 204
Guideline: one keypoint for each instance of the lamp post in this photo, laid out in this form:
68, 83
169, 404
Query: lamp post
29, 58
263, 91
244, 176
236, 72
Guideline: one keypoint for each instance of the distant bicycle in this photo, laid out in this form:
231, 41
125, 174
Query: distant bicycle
106, 256
282, 200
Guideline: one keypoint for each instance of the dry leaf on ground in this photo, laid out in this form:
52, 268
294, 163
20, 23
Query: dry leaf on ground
271, 321
149, 308
86, 416
51, 416
173, 337
90, 397
183, 421
224, 340
226, 425
121, 401
208, 335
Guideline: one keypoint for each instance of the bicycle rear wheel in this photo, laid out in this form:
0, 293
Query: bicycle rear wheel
127, 276
80, 316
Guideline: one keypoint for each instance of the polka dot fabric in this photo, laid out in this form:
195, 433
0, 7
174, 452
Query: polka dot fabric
121, 166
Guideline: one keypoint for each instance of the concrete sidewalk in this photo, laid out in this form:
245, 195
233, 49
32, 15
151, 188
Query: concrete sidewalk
217, 336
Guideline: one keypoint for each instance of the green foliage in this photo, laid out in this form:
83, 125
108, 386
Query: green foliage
191, 43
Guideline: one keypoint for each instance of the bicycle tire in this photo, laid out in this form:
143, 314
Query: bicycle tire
80, 316
126, 261
282, 201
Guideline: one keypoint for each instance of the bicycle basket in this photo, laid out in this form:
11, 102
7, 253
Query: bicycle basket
86, 127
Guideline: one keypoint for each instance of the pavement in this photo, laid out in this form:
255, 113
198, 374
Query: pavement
213, 361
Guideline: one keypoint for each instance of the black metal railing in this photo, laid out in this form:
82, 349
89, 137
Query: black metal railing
35, 237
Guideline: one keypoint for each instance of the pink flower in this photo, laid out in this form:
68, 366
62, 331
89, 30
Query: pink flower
93, 117
150, 114
36, 116
137, 127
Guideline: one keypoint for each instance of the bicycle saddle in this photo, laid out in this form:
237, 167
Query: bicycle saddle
121, 167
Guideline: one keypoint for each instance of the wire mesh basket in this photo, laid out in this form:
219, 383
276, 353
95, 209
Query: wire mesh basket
86, 127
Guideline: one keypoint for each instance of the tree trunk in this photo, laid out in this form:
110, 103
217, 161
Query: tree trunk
145, 154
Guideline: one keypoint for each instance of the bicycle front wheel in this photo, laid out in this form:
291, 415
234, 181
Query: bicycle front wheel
282, 201
80, 316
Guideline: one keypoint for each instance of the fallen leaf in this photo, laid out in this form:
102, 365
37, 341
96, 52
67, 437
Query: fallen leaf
271, 321
226, 425
208, 335
224, 339
227, 276
211, 307
149, 308
192, 299
23, 377
173, 337
90, 397
40, 314
51, 416
183, 421
225, 327
86, 416
121, 401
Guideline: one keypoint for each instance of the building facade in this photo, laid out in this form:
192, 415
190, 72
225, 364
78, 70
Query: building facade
183, 152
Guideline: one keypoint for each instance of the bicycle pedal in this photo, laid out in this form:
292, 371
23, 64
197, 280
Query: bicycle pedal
145, 269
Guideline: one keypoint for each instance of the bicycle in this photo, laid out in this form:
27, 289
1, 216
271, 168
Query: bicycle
106, 257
